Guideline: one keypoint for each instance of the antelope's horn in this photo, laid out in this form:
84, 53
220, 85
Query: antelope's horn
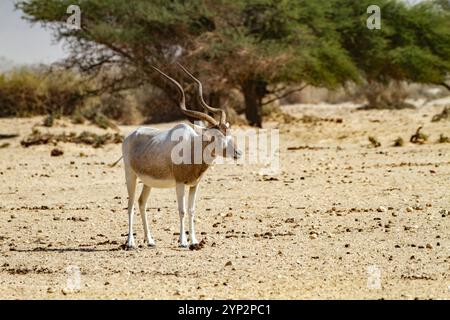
182, 104
223, 115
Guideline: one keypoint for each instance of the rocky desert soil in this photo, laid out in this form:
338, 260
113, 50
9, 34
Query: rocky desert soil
342, 219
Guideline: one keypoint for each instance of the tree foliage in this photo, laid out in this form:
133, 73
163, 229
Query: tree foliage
260, 47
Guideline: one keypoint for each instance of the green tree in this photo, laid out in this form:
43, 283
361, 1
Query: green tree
267, 46
264, 48
412, 45
257, 46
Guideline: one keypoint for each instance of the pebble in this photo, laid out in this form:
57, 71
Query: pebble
429, 246
409, 209
65, 291
381, 209
229, 263
313, 236
56, 152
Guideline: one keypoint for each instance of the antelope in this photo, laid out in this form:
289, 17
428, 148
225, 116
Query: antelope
148, 155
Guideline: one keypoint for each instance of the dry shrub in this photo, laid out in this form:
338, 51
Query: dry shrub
399, 142
443, 139
88, 138
28, 92
381, 96
54, 93
374, 142
418, 137
444, 115
155, 106
49, 121
92, 111
122, 107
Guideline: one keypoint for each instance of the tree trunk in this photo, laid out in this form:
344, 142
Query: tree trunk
254, 92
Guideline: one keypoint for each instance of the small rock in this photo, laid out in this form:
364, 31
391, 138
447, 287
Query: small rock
51, 290
429, 246
65, 291
313, 236
56, 152
381, 209
409, 209
229, 263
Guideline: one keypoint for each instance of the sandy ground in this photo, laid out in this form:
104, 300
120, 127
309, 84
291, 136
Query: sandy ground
315, 230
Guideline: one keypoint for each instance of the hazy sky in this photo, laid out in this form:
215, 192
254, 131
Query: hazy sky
26, 44
23, 43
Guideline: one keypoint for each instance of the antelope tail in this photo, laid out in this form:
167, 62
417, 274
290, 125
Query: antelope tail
115, 163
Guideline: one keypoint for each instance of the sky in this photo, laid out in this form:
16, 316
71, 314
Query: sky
22, 43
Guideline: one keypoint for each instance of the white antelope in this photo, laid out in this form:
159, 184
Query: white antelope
148, 155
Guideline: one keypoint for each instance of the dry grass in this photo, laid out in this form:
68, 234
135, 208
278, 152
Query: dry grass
88, 138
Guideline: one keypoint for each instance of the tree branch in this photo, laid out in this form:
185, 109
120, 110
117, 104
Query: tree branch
277, 90
287, 93
445, 85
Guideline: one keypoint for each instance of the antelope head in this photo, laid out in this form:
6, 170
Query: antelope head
217, 132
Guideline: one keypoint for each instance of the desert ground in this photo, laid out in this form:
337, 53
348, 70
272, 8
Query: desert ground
341, 219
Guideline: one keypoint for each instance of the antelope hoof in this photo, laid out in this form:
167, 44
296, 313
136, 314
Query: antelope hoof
131, 244
130, 247
151, 244
183, 244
